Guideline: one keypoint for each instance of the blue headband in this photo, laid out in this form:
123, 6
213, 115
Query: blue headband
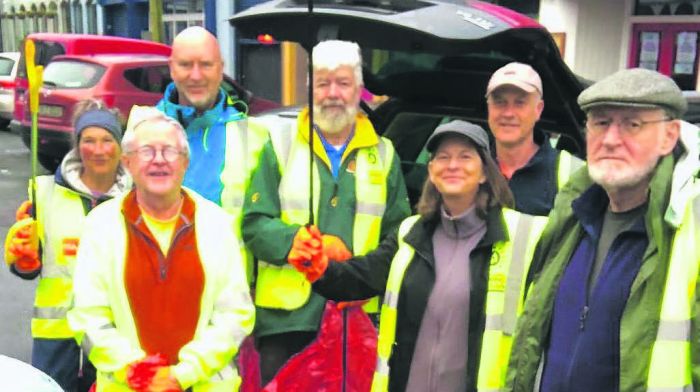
99, 118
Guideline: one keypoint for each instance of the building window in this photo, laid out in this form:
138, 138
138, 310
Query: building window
8, 31
91, 9
66, 22
9, 38
25, 21
180, 14
77, 17
52, 18
34, 20
666, 7
43, 18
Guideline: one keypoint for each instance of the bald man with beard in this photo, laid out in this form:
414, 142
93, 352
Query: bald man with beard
224, 143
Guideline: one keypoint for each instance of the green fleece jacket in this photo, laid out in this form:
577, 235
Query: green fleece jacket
270, 239
640, 319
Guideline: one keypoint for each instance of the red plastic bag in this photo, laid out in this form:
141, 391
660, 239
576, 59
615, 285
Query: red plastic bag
249, 366
319, 367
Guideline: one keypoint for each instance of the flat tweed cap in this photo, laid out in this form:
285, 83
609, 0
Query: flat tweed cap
636, 87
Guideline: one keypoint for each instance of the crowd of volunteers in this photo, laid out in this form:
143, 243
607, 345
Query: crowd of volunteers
191, 247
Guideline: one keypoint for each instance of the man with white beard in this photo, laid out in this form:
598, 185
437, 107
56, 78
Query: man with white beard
358, 192
615, 306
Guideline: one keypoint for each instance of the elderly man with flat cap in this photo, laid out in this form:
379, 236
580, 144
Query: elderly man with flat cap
615, 306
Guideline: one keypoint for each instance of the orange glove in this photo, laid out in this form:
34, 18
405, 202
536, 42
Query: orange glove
164, 381
140, 374
306, 244
350, 304
307, 254
24, 210
22, 246
335, 248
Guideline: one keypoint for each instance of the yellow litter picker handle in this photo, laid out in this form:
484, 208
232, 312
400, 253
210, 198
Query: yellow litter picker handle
35, 76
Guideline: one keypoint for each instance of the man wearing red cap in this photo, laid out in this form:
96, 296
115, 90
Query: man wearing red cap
534, 169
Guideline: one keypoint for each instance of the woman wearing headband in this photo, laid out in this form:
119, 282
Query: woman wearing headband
46, 246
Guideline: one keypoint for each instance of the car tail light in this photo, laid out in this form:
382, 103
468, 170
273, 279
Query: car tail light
7, 84
266, 39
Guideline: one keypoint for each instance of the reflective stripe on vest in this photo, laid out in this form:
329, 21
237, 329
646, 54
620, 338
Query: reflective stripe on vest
567, 165
387, 317
244, 142
282, 287
510, 262
61, 214
503, 304
670, 369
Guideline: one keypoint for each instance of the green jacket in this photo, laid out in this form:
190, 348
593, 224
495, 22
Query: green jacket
270, 239
640, 318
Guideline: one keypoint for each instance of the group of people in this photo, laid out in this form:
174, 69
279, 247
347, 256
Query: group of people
524, 269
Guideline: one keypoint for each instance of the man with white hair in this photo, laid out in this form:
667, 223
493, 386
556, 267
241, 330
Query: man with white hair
161, 300
359, 197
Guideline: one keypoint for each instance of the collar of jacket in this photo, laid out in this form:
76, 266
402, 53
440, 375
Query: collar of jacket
420, 237
68, 176
590, 208
658, 230
132, 212
223, 110
364, 136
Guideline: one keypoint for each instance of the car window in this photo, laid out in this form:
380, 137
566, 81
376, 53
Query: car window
6, 65
153, 79
72, 74
45, 51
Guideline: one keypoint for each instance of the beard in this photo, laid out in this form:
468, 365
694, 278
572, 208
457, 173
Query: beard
615, 177
331, 119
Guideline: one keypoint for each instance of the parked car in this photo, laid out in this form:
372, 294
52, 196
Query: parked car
119, 80
8, 72
49, 45
433, 60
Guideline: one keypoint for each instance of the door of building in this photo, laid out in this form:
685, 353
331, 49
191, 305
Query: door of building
670, 48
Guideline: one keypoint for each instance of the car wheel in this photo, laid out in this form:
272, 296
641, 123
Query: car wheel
48, 162
4, 125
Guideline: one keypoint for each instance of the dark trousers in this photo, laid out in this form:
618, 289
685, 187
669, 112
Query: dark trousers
275, 350
60, 359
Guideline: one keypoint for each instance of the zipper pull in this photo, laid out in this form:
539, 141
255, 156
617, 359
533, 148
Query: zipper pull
582, 317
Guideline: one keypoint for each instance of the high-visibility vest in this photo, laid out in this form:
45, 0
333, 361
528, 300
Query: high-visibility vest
670, 368
509, 264
245, 140
60, 218
283, 287
120, 329
566, 166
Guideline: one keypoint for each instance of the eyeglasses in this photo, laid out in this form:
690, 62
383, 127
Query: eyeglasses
148, 153
626, 126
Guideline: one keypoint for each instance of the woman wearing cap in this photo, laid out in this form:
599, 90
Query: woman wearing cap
89, 174
452, 276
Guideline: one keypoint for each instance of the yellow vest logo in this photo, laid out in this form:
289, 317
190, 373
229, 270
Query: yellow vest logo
497, 282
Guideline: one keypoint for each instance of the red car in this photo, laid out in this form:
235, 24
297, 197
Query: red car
120, 80
49, 45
